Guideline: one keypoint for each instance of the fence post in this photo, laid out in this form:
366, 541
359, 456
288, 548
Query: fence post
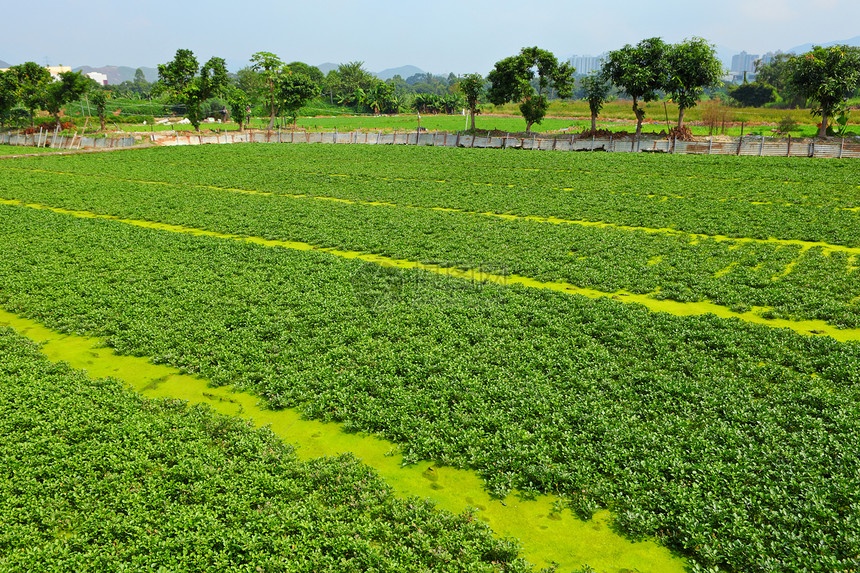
592, 143
710, 143
812, 148
740, 142
610, 143
841, 148
761, 147
788, 153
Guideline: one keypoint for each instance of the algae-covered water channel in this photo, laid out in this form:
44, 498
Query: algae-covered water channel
548, 537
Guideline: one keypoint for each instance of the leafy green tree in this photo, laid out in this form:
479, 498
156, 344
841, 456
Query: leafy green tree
596, 89
294, 91
472, 88
777, 73
312, 72
251, 83
510, 80
827, 76
68, 88
186, 83
352, 82
692, 65
239, 102
380, 97
99, 99
141, 86
31, 82
640, 71
754, 94
8, 96
269, 66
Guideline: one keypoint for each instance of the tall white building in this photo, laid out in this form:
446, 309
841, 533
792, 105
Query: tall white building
587, 64
744, 62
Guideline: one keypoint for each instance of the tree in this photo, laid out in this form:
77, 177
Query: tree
69, 87
239, 103
640, 71
596, 89
269, 66
511, 79
140, 85
294, 91
312, 72
99, 99
8, 97
827, 76
754, 94
777, 73
32, 82
180, 79
472, 88
692, 65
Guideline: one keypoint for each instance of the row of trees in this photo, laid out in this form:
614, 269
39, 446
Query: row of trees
826, 77
645, 72
32, 86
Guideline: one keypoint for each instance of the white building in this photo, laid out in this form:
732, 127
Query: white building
587, 64
99, 77
743, 62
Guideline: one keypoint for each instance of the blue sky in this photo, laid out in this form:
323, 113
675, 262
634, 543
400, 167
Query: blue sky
439, 36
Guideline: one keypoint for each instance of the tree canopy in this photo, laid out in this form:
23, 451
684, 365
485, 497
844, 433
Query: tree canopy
640, 71
31, 81
269, 66
596, 89
69, 87
511, 81
691, 67
8, 97
294, 91
472, 88
186, 83
827, 76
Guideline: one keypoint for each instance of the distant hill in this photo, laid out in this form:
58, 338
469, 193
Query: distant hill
119, 74
403, 71
4, 64
802, 49
327, 67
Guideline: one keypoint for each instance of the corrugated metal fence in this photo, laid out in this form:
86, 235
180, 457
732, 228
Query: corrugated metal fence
759, 146
751, 145
56, 141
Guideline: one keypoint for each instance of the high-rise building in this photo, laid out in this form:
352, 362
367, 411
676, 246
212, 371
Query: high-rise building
743, 62
587, 64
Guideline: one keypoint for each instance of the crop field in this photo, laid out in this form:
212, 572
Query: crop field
673, 338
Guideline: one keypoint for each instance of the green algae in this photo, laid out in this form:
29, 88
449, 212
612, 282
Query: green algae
548, 537
806, 327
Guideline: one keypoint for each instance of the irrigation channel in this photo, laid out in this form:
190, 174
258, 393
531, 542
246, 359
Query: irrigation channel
547, 537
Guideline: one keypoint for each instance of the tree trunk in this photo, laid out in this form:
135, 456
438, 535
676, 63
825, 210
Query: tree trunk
529, 126
680, 116
472, 113
822, 131
593, 122
640, 115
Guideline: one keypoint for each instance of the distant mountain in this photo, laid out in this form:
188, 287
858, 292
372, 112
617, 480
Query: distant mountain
327, 67
4, 64
403, 71
802, 49
119, 74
